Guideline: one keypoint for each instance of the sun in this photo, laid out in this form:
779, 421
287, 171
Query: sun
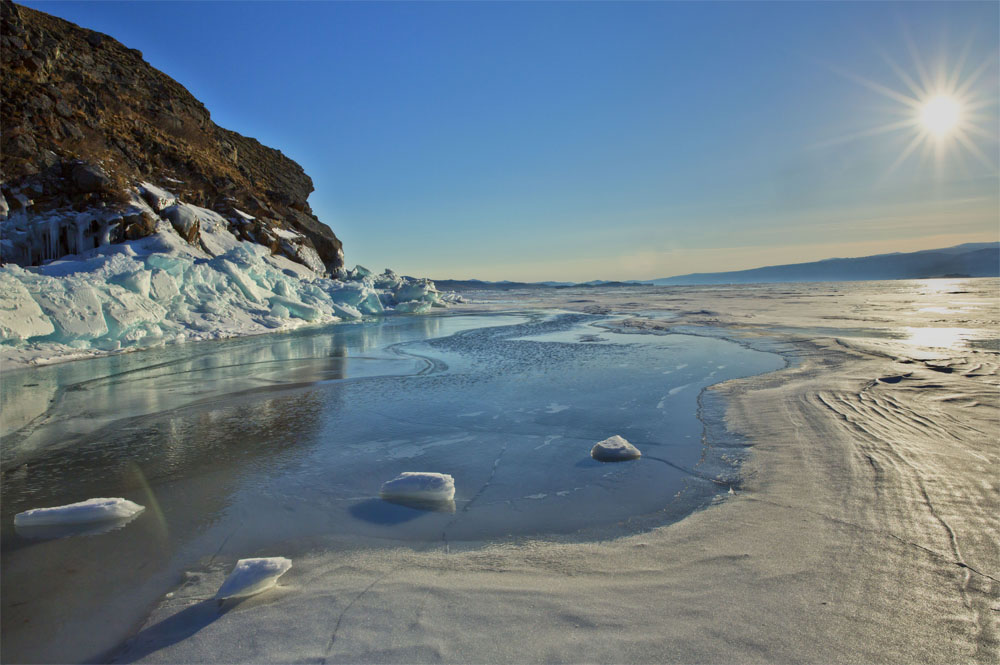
943, 110
940, 115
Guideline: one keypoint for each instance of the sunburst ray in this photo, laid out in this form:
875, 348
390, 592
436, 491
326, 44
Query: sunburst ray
944, 106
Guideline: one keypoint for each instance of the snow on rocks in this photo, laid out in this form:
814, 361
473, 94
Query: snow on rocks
251, 576
614, 449
157, 198
185, 220
419, 488
162, 289
91, 510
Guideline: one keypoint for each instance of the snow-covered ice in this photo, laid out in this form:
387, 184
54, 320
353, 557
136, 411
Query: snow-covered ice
418, 487
251, 576
91, 510
294, 473
614, 449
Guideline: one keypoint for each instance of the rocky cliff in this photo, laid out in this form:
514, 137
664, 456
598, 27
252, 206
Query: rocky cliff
85, 121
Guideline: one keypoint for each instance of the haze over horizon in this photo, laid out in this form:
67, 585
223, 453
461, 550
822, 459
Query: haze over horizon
570, 142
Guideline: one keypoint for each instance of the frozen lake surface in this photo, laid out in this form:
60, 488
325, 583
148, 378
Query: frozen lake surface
262, 446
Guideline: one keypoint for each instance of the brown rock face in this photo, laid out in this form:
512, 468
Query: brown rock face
85, 119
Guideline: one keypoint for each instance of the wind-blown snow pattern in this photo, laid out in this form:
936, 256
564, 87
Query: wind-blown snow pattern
163, 289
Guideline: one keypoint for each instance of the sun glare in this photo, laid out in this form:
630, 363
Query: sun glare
940, 115
943, 109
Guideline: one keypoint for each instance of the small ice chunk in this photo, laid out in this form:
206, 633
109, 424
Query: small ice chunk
614, 449
251, 576
91, 510
360, 272
419, 487
138, 281
413, 307
296, 308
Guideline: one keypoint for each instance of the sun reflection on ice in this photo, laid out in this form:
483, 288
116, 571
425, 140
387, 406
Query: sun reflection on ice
939, 286
939, 338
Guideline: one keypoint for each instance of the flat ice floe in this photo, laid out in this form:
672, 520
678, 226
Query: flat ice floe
91, 510
614, 449
419, 488
251, 576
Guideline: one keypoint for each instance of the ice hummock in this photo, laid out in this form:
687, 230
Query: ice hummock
91, 510
251, 576
420, 489
163, 289
614, 449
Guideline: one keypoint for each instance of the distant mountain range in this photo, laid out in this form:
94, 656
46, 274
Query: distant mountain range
505, 285
980, 259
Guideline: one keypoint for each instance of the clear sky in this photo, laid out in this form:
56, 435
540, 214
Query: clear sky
577, 141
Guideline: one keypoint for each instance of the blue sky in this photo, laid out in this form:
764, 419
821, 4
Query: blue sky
576, 141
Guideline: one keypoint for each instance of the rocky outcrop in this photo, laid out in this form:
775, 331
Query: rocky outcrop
86, 121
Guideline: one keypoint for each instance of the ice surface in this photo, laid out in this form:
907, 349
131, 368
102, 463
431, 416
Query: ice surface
91, 510
614, 449
419, 487
251, 576
294, 472
265, 444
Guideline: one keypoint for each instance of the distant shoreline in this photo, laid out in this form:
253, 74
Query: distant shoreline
968, 261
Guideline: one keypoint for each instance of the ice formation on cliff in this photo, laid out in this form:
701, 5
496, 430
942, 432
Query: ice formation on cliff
192, 279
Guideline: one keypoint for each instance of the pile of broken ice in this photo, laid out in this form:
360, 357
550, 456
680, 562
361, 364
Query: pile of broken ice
161, 289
